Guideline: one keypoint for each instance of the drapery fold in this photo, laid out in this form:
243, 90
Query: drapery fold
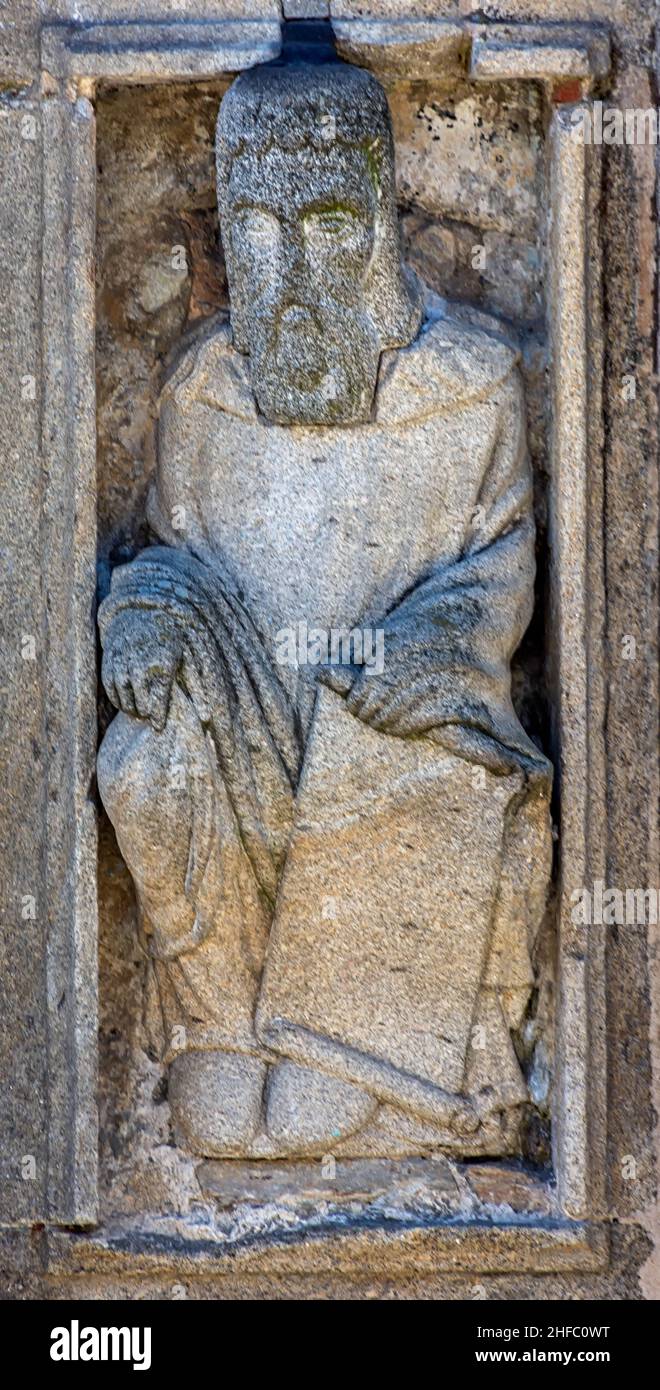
233, 686
447, 651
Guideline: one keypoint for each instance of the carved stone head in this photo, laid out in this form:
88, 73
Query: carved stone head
309, 227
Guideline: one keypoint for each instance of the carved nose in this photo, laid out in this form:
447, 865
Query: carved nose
292, 258
300, 343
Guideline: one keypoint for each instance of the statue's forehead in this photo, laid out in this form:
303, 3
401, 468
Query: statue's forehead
287, 181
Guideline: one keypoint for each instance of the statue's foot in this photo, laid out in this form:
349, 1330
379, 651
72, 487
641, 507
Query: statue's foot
217, 1105
308, 1112
216, 1102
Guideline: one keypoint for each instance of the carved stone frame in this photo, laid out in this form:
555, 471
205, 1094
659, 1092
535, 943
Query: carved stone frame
74, 58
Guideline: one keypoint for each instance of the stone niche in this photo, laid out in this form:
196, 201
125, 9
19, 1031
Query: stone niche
474, 189
472, 180
498, 205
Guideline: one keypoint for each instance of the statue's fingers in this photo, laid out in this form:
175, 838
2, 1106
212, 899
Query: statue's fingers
366, 698
406, 712
140, 685
108, 679
395, 712
337, 678
159, 700
356, 694
124, 687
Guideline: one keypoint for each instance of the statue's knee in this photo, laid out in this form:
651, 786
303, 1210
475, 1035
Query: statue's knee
134, 767
143, 787
113, 762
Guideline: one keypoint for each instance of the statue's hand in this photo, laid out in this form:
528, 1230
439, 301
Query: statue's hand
401, 704
391, 701
142, 651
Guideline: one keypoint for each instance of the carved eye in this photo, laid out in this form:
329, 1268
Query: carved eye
257, 234
335, 222
338, 234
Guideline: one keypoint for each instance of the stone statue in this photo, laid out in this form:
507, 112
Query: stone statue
337, 827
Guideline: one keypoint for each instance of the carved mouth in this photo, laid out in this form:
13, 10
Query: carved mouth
305, 381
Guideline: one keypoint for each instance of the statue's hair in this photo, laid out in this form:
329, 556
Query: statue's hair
301, 105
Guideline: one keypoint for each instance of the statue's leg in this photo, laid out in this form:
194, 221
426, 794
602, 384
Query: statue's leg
150, 809
226, 1101
205, 924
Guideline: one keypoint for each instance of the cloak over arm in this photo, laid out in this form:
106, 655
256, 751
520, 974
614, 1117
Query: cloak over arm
232, 685
448, 643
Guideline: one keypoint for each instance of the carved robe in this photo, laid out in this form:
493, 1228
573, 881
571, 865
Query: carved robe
361, 901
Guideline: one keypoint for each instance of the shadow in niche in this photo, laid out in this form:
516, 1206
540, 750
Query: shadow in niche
156, 199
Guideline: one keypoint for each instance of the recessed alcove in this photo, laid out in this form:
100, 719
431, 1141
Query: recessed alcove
473, 195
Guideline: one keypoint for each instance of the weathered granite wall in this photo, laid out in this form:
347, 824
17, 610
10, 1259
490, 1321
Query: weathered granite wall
155, 193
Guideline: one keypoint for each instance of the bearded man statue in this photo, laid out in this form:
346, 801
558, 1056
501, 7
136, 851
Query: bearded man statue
341, 863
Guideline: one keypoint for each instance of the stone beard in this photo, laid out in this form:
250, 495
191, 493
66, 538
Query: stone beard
340, 871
